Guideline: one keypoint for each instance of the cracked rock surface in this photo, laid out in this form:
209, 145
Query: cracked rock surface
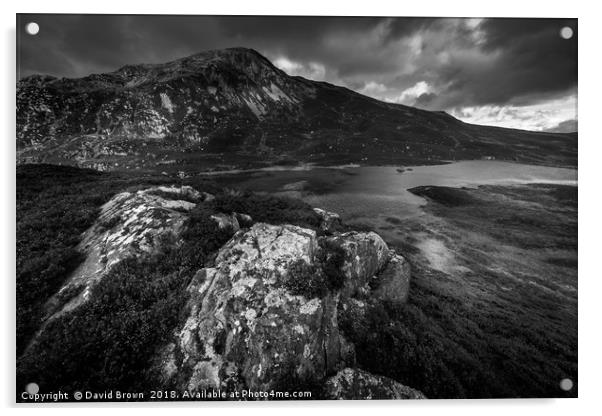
246, 329
245, 325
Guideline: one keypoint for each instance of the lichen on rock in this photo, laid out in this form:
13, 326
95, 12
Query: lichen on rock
269, 336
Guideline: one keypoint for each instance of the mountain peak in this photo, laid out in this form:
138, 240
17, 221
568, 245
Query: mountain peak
240, 50
237, 56
236, 64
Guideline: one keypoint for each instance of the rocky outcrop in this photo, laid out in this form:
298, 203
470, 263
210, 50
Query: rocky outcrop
246, 329
365, 254
356, 384
234, 221
330, 221
226, 221
393, 282
131, 224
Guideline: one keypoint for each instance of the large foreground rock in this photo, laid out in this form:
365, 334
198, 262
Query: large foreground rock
356, 384
245, 329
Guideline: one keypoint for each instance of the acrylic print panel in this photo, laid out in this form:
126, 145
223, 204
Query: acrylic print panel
295, 208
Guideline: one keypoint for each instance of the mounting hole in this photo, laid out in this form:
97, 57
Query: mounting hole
566, 32
566, 384
32, 388
32, 28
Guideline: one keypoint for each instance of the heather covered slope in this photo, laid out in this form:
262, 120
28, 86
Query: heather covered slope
233, 107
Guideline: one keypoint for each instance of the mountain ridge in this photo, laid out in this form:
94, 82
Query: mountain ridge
233, 107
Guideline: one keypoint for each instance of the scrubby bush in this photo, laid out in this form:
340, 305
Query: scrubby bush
202, 237
321, 277
306, 279
107, 342
331, 257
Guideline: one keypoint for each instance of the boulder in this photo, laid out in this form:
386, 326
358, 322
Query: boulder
244, 220
393, 282
365, 254
180, 192
245, 329
226, 221
356, 384
330, 221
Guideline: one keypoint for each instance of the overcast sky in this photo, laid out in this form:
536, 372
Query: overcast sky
508, 72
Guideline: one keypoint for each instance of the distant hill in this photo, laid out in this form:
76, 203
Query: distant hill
234, 108
567, 126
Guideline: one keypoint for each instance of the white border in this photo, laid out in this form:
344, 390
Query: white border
589, 176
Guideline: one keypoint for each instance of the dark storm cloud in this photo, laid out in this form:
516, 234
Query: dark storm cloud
432, 63
529, 61
103, 41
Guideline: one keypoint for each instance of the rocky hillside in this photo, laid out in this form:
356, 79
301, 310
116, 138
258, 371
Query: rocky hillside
233, 108
259, 311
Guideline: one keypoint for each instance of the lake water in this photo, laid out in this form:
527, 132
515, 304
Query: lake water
374, 193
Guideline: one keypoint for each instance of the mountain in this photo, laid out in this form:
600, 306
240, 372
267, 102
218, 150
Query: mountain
567, 126
234, 108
